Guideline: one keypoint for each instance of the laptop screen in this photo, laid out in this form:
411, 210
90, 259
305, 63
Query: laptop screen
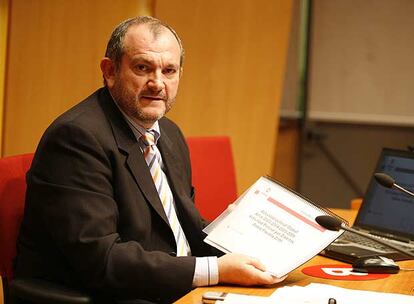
390, 210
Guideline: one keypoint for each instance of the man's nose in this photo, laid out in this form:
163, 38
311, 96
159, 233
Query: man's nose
155, 82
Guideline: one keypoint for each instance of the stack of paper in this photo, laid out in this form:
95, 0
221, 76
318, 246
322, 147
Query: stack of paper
273, 224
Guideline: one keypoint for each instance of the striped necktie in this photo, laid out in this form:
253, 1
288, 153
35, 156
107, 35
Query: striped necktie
153, 158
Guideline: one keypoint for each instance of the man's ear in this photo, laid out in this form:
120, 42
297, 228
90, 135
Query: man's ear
108, 71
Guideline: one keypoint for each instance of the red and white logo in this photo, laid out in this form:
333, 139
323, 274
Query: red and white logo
340, 272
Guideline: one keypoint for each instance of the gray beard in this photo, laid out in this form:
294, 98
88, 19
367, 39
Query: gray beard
129, 106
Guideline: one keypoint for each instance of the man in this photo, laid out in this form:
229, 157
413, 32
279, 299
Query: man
109, 202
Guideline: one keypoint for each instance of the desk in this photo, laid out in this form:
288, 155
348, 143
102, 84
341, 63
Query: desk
403, 282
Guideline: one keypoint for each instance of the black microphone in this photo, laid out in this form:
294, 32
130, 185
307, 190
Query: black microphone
335, 224
388, 182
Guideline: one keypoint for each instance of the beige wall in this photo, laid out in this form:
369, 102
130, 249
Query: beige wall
54, 51
361, 62
232, 78
233, 74
4, 10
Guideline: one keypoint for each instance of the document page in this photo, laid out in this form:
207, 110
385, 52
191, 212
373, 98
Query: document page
316, 293
273, 224
320, 293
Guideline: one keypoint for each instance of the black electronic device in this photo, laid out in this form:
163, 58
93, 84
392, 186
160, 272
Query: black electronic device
375, 264
384, 212
335, 224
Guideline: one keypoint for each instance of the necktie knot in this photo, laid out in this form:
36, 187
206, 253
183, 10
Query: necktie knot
148, 139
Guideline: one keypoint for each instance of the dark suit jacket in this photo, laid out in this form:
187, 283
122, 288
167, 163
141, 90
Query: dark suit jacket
93, 217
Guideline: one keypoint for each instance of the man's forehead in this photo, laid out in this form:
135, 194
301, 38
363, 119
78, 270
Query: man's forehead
143, 36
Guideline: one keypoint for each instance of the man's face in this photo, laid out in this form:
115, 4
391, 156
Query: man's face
146, 82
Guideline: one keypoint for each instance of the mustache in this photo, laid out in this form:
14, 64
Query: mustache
154, 95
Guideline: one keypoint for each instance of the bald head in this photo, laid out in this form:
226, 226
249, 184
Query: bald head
116, 44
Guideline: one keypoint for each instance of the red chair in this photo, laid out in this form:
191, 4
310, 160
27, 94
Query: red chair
214, 175
12, 191
12, 197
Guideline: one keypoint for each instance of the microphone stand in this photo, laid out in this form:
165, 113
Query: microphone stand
403, 190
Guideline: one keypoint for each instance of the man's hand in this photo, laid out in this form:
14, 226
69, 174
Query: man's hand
244, 270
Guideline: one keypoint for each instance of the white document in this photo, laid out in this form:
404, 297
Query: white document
316, 293
233, 298
320, 293
273, 224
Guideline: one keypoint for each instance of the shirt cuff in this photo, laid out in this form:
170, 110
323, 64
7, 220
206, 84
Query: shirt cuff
206, 271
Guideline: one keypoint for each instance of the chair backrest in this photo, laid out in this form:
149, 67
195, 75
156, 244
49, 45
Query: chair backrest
12, 194
356, 203
214, 174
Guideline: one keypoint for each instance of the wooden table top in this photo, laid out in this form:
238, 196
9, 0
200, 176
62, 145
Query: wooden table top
403, 282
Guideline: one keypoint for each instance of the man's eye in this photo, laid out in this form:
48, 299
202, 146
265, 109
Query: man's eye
170, 71
142, 67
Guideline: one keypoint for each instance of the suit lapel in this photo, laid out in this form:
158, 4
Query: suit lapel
135, 160
139, 169
187, 213
171, 162
174, 168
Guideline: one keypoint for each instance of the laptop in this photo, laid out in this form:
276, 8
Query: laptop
384, 212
